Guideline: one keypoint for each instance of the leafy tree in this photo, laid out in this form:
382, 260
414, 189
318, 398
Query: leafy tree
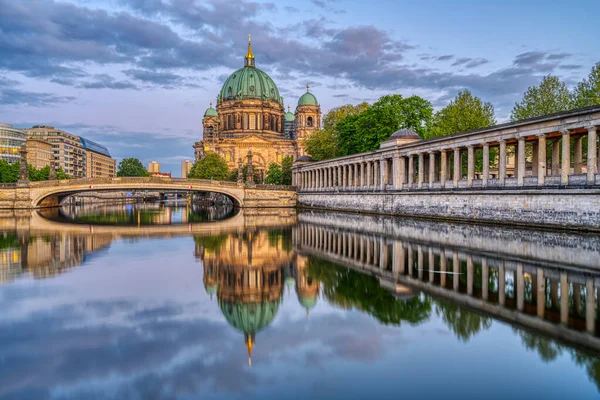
131, 167
286, 170
348, 137
234, 174
549, 97
43, 174
212, 166
9, 172
587, 92
274, 174
387, 115
464, 113
324, 144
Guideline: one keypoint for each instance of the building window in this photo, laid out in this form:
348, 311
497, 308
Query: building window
227, 157
252, 121
309, 122
279, 158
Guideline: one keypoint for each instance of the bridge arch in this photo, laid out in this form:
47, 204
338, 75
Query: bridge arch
50, 193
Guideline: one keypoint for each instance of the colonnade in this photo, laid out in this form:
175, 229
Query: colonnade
568, 298
556, 156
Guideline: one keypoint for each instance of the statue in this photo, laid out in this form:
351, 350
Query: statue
240, 177
23, 171
52, 175
250, 172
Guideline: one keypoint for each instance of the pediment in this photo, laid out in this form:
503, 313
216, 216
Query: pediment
254, 139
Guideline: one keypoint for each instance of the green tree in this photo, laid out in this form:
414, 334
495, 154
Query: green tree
324, 144
234, 174
466, 112
387, 115
549, 97
286, 169
274, 174
9, 172
212, 166
348, 138
587, 92
131, 167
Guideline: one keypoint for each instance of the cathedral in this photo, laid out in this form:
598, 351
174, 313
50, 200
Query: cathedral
250, 115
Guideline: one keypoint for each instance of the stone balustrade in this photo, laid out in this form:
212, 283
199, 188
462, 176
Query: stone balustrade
541, 147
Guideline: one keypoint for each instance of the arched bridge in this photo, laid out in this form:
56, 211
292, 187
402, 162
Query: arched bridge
50, 193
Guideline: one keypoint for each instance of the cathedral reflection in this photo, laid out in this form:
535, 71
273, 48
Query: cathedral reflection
248, 273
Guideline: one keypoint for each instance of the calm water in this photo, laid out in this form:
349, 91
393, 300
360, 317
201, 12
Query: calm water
191, 302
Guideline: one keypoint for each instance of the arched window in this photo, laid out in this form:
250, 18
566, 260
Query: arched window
210, 130
229, 122
309, 122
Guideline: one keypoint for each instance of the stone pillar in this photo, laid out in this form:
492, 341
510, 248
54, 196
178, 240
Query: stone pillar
564, 297
520, 287
541, 171
421, 170
383, 173
485, 277
443, 168
578, 154
566, 158
502, 163
470, 165
535, 165
456, 270
486, 164
431, 168
521, 161
369, 174
361, 174
240, 177
411, 170
23, 170
457, 167
592, 160
590, 303
52, 175
555, 171
356, 176
398, 172
541, 291
501, 284
470, 273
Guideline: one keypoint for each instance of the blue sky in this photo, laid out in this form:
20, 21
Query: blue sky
137, 75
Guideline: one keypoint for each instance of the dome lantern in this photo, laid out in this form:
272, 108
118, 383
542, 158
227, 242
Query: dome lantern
308, 99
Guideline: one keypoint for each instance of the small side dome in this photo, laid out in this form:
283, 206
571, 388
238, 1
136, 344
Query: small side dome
304, 158
211, 112
289, 117
405, 134
308, 99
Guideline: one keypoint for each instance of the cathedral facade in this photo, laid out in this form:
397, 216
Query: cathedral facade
250, 115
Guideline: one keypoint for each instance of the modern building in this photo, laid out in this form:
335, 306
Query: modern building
78, 157
186, 166
39, 152
99, 163
153, 166
250, 114
11, 141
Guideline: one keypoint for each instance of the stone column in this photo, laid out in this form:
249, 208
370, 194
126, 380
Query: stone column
521, 161
431, 168
361, 174
411, 170
356, 176
501, 284
421, 170
520, 288
566, 158
250, 170
590, 304
470, 165
456, 270
398, 172
383, 169
541, 171
502, 163
443, 168
564, 297
457, 167
369, 174
555, 171
486, 164
592, 160
578, 154
485, 277
541, 292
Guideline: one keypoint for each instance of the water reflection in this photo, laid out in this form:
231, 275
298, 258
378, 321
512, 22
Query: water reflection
157, 213
361, 285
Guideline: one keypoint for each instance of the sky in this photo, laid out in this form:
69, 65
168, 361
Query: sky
137, 75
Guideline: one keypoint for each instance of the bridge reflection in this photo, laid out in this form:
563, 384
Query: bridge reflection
536, 293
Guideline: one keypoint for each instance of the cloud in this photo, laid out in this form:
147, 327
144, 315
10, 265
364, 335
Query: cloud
105, 81
469, 62
445, 57
12, 95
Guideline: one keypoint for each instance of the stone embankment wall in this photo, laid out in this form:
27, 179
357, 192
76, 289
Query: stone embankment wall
559, 208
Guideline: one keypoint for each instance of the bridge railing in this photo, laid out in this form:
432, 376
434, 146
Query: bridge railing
8, 185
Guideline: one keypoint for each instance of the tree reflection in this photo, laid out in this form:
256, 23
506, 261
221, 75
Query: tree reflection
590, 363
547, 349
351, 289
463, 323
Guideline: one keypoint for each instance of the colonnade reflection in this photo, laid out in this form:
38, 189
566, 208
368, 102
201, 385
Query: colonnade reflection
555, 301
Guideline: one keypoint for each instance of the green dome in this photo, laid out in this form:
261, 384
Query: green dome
308, 302
290, 282
211, 112
308, 99
250, 83
249, 318
289, 117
